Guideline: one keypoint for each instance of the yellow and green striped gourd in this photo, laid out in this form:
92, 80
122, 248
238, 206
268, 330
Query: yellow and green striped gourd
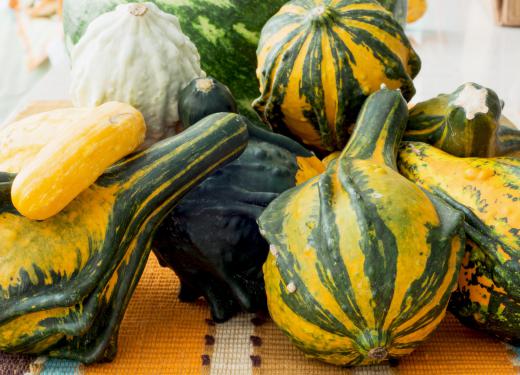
362, 261
318, 60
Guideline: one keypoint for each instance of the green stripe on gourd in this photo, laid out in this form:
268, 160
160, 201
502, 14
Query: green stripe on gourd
319, 60
480, 302
65, 282
463, 123
487, 191
362, 261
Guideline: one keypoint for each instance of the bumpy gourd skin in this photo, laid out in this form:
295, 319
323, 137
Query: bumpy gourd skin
362, 261
487, 191
463, 123
211, 239
65, 282
319, 60
480, 302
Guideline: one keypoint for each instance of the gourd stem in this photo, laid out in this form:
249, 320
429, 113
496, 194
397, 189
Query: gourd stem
379, 128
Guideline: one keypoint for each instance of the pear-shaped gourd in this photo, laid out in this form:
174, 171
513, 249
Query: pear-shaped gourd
463, 123
362, 261
65, 282
211, 239
487, 191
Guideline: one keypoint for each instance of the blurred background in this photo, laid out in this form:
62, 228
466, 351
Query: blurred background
458, 40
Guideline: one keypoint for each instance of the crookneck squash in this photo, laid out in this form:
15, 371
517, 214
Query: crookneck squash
487, 191
319, 60
211, 239
203, 97
463, 123
362, 261
135, 54
73, 160
65, 282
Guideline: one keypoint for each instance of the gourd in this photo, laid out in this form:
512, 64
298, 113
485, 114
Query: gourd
22, 140
398, 8
508, 138
416, 10
211, 239
120, 58
73, 160
479, 302
225, 32
203, 97
463, 123
65, 282
487, 191
362, 261
319, 60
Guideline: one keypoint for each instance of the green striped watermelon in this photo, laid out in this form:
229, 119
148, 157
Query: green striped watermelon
226, 33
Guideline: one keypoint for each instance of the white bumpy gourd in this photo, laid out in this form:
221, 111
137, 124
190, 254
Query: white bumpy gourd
136, 54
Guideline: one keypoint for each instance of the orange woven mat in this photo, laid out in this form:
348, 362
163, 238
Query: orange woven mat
161, 335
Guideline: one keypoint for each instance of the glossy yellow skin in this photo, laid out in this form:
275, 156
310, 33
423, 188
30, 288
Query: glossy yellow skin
74, 159
22, 140
480, 184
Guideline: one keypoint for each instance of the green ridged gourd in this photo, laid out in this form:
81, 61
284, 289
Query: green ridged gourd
65, 282
362, 261
464, 123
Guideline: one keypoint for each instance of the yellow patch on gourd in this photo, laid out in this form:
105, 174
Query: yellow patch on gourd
28, 325
484, 189
299, 211
308, 167
433, 302
293, 323
294, 104
368, 70
59, 245
416, 10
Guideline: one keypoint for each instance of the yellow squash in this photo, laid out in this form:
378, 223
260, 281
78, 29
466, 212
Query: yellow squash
22, 140
74, 159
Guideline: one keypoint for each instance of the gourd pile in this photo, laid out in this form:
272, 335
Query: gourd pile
356, 256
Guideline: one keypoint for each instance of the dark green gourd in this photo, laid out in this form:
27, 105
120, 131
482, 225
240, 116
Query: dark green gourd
211, 239
203, 97
65, 282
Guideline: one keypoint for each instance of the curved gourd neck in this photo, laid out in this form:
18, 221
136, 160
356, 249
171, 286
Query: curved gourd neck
159, 177
379, 129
